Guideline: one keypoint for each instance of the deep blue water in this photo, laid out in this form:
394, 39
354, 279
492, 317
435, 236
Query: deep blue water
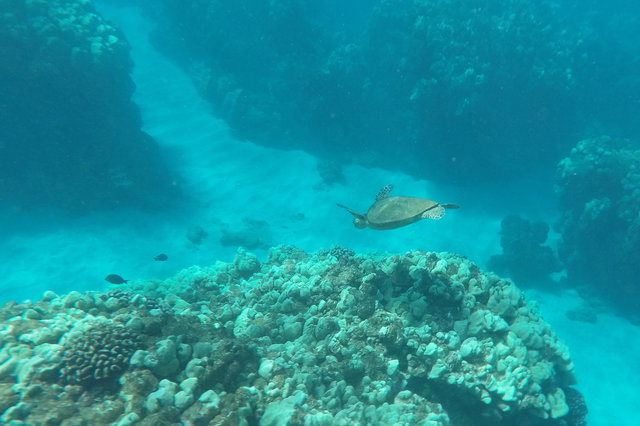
121, 133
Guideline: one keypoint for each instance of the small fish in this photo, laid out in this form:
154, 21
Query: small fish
161, 257
115, 279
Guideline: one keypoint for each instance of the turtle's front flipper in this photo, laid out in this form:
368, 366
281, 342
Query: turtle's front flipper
359, 220
353, 212
384, 192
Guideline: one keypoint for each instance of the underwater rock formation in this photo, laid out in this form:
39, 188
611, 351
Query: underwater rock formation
443, 90
257, 80
332, 338
71, 136
524, 257
483, 98
599, 190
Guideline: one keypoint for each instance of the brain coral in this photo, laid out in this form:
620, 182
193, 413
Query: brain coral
97, 352
332, 338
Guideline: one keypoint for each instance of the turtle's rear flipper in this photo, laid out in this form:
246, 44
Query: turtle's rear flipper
450, 206
436, 212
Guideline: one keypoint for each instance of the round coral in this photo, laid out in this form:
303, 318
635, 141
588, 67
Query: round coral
99, 354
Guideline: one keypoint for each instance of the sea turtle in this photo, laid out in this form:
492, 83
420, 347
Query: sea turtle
394, 212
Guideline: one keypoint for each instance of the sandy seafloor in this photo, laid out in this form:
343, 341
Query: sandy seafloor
228, 182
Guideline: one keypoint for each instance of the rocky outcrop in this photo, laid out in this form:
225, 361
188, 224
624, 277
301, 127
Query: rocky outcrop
456, 91
71, 137
599, 189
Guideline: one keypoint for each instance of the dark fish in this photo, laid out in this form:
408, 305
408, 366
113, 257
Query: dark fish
161, 257
115, 279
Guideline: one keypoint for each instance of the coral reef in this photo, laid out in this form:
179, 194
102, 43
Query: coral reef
444, 90
599, 189
71, 136
482, 97
524, 257
332, 338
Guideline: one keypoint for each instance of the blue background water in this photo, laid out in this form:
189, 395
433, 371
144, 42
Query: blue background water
251, 194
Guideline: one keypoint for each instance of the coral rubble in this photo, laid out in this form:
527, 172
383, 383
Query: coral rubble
332, 338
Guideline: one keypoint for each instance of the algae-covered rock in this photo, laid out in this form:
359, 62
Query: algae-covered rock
332, 338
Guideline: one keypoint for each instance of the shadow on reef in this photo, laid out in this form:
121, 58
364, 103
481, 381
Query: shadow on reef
465, 411
331, 338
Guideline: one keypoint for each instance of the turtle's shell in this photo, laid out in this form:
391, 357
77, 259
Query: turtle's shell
393, 212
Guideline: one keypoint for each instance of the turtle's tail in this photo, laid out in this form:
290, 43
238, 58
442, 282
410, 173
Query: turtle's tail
450, 206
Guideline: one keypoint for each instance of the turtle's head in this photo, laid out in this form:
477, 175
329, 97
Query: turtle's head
359, 222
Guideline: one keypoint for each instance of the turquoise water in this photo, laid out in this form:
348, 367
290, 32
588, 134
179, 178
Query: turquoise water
254, 186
